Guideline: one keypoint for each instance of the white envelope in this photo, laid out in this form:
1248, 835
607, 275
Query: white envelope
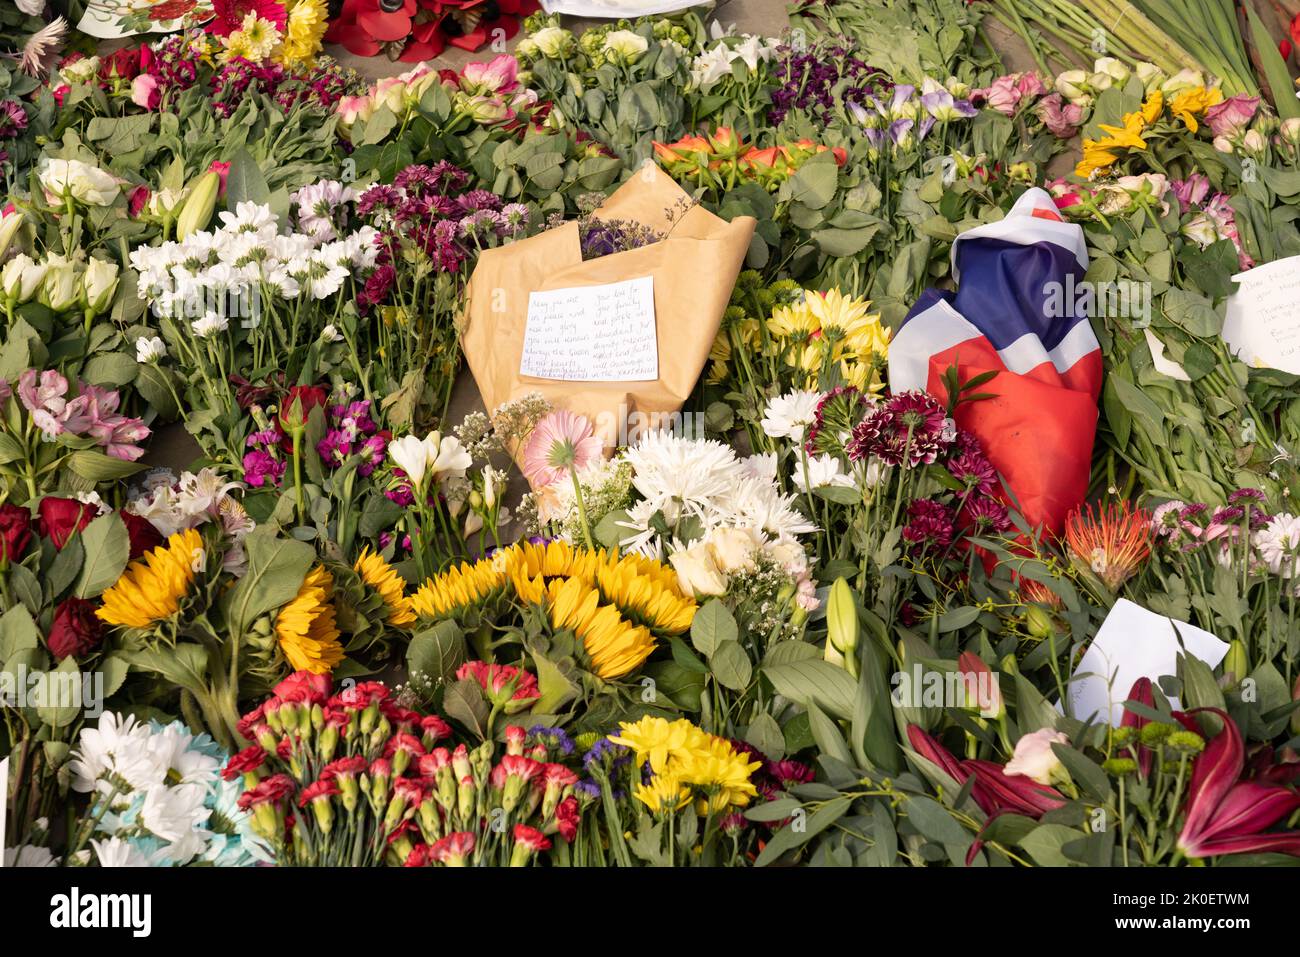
1134, 643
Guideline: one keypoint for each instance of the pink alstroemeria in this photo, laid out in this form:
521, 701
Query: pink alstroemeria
1227, 815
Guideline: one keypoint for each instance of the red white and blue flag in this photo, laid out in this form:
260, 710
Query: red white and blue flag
1015, 312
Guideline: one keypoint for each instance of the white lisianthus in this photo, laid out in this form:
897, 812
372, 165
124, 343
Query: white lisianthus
552, 42
448, 459
83, 182
625, 45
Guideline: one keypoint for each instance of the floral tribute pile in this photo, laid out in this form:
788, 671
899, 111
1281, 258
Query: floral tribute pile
813, 625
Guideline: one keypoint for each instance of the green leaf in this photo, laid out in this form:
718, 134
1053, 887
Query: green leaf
1275, 68
64, 686
1044, 844
108, 547
1085, 772
18, 632
245, 182
815, 682
101, 468
933, 821
185, 664
731, 666
713, 625
830, 741
765, 734
276, 569
433, 656
799, 831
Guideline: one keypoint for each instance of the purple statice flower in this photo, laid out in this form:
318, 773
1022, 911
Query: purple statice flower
602, 237
929, 524
554, 739
910, 429
587, 789
606, 754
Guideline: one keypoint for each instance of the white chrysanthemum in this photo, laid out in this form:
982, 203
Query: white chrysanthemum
115, 852
822, 471
1278, 544
172, 813
27, 855
116, 747
210, 325
682, 476
789, 415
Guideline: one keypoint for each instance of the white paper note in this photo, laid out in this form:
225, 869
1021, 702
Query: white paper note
616, 9
593, 333
1262, 322
1134, 643
1164, 365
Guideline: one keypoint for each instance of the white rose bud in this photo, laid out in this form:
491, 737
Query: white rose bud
697, 573
98, 284
59, 289
21, 277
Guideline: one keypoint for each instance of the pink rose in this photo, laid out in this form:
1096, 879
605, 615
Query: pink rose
1231, 117
144, 91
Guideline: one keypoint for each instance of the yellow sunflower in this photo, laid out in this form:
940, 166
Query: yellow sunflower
383, 578
306, 626
152, 587
615, 646
532, 565
648, 591
456, 589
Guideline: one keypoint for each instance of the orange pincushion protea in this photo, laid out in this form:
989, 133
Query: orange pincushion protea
1112, 540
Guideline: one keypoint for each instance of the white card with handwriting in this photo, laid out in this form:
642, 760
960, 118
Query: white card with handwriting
593, 333
1262, 321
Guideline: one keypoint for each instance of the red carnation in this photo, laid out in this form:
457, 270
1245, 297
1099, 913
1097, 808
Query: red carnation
271, 791
303, 687
61, 518
245, 761
567, 816
75, 631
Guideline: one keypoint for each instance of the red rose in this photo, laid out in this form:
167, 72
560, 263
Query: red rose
61, 518
75, 630
136, 199
141, 532
297, 405
123, 63
303, 686
15, 531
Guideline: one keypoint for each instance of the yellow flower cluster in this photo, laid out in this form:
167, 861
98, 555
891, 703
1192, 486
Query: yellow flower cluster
151, 588
685, 762
811, 336
1101, 154
615, 605
258, 40
383, 578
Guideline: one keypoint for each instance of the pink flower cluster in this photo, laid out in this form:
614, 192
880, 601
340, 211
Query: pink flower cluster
92, 412
1008, 94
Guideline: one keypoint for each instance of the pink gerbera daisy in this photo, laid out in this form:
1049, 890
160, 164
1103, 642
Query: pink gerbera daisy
561, 441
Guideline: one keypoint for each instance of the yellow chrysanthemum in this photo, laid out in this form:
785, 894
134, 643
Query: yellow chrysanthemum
304, 30
849, 321
663, 795
255, 40
1190, 104
720, 771
383, 578
615, 646
657, 739
458, 588
649, 591
152, 587
795, 321
306, 626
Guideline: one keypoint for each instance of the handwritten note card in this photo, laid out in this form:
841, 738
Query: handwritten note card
1262, 322
593, 333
